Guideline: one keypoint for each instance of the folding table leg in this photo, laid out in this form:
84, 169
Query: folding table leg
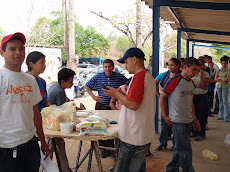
78, 156
57, 155
90, 156
97, 155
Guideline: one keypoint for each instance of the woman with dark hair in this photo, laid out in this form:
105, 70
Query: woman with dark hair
174, 69
222, 78
35, 62
200, 100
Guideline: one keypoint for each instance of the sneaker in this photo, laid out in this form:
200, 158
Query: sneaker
192, 135
199, 138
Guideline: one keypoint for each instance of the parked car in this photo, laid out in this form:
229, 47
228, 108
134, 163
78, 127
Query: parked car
85, 68
99, 69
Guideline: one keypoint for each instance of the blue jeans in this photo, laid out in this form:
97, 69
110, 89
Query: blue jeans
163, 139
223, 103
131, 158
165, 129
182, 153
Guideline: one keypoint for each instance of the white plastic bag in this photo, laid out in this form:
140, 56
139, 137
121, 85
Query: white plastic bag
53, 115
227, 141
47, 164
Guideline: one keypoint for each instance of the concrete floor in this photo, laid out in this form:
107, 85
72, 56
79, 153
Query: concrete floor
216, 135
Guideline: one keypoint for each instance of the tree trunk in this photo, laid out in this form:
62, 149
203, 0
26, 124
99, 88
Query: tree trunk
71, 63
65, 31
138, 24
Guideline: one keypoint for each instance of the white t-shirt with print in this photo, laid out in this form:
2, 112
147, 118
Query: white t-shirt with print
19, 92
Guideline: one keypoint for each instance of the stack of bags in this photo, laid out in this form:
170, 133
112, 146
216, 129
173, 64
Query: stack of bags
93, 126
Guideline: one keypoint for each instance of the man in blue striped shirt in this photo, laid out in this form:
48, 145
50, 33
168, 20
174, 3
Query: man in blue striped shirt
109, 78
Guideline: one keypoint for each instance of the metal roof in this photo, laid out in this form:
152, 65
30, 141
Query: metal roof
201, 15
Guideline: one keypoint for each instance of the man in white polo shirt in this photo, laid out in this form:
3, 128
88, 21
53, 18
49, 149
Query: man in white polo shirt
136, 123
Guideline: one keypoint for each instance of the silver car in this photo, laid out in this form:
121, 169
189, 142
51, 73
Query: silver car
85, 68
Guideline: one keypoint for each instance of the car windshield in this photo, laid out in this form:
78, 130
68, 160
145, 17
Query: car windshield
92, 66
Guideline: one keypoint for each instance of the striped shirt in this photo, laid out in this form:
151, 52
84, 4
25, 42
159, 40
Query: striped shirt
115, 80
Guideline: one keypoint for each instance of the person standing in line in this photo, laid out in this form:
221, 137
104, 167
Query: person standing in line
136, 123
57, 96
109, 78
222, 78
200, 101
149, 67
36, 64
179, 91
19, 118
212, 83
215, 66
174, 69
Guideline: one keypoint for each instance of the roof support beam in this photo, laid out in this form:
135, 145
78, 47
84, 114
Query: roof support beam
178, 43
174, 14
193, 4
215, 47
155, 64
207, 41
204, 31
187, 45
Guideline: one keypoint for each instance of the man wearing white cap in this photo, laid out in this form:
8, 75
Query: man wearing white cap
19, 115
136, 123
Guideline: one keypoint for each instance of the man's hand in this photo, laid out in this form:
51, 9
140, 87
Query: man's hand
167, 120
111, 92
97, 98
196, 125
45, 150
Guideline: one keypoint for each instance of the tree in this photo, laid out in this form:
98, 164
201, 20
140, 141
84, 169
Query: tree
88, 42
135, 26
1, 33
71, 62
65, 27
218, 53
123, 44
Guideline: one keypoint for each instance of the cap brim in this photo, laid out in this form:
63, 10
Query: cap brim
122, 60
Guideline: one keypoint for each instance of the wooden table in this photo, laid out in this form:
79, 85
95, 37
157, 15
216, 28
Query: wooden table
112, 115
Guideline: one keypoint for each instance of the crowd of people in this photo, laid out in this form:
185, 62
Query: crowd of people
186, 94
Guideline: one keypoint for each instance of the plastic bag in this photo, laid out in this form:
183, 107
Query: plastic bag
227, 141
210, 155
98, 118
91, 125
93, 132
53, 115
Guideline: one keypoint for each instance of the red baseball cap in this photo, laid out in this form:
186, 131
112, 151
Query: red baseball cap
7, 38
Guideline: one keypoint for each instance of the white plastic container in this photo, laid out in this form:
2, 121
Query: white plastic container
66, 127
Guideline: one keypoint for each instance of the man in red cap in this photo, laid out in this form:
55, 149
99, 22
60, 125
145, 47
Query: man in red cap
19, 115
